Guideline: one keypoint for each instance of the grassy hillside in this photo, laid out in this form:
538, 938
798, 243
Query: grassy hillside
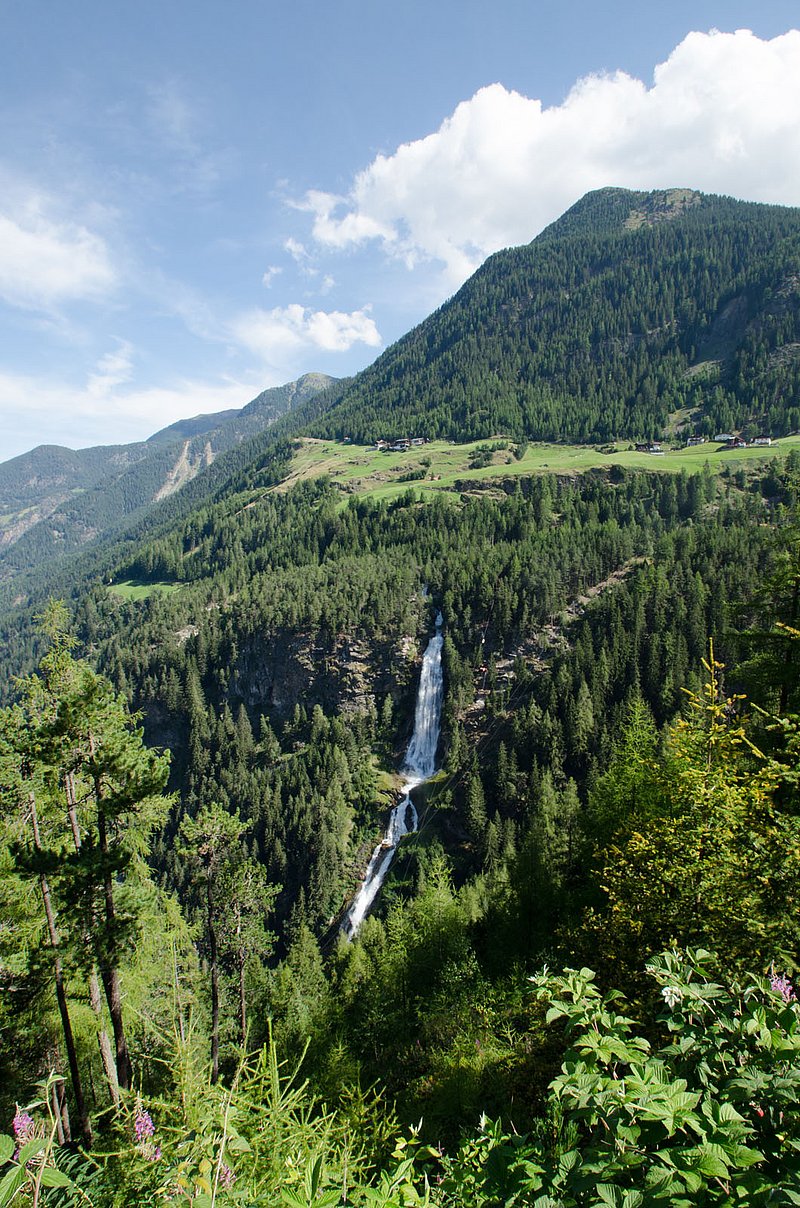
444, 465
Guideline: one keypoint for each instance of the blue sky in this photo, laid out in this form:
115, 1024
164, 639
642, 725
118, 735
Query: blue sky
199, 200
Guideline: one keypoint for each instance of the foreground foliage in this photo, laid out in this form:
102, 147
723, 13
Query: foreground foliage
698, 1107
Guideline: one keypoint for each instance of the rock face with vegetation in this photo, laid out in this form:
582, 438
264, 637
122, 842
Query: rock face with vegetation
610, 847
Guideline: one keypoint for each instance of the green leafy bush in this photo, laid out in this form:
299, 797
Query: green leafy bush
709, 1117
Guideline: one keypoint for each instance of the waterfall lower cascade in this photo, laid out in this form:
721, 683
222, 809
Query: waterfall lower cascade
418, 766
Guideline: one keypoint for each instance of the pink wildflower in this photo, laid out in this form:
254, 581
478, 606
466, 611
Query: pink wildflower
23, 1127
782, 986
145, 1129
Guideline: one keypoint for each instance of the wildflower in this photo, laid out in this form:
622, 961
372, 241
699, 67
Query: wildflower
672, 995
226, 1177
23, 1128
782, 986
144, 1126
145, 1129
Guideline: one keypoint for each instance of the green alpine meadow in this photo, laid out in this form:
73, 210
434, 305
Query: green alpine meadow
400, 776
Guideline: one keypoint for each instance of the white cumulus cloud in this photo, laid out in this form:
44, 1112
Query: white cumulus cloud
722, 114
276, 335
46, 261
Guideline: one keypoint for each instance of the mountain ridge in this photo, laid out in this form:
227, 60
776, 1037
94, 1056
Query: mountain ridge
54, 499
633, 315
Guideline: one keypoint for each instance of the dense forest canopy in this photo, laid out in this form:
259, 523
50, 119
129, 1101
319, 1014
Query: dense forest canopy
281, 673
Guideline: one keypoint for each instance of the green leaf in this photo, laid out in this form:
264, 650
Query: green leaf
609, 1194
709, 1164
51, 1177
11, 1183
238, 1145
744, 1156
31, 1149
313, 1177
7, 1147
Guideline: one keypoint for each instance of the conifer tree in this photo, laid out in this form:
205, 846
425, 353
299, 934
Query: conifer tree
209, 844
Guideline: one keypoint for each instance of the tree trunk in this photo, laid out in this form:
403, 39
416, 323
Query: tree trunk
242, 1001
61, 993
106, 1056
108, 967
212, 944
58, 1099
241, 958
788, 656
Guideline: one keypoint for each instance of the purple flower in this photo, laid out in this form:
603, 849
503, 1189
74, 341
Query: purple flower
145, 1129
23, 1126
782, 986
226, 1177
143, 1124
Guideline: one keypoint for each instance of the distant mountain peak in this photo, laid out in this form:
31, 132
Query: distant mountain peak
284, 398
54, 499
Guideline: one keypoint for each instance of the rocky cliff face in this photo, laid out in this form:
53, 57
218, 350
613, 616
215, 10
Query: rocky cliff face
341, 673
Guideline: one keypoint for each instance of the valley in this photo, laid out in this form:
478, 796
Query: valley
317, 768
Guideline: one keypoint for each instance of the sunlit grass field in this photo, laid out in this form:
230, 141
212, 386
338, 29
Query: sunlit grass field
363, 470
128, 590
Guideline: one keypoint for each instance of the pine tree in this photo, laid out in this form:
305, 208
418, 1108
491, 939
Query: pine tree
209, 844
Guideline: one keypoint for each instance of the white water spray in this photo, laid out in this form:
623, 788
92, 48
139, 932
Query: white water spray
418, 766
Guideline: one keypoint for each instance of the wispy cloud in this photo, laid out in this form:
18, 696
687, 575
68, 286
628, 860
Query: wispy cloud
33, 407
299, 253
112, 370
179, 122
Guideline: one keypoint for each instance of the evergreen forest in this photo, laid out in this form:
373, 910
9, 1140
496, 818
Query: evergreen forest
578, 984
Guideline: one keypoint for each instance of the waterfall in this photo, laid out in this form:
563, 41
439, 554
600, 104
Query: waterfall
418, 766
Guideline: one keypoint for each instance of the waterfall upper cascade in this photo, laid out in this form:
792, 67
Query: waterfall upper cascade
418, 766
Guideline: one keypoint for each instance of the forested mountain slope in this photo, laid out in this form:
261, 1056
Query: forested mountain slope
633, 315
280, 669
630, 309
618, 775
54, 500
285, 606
